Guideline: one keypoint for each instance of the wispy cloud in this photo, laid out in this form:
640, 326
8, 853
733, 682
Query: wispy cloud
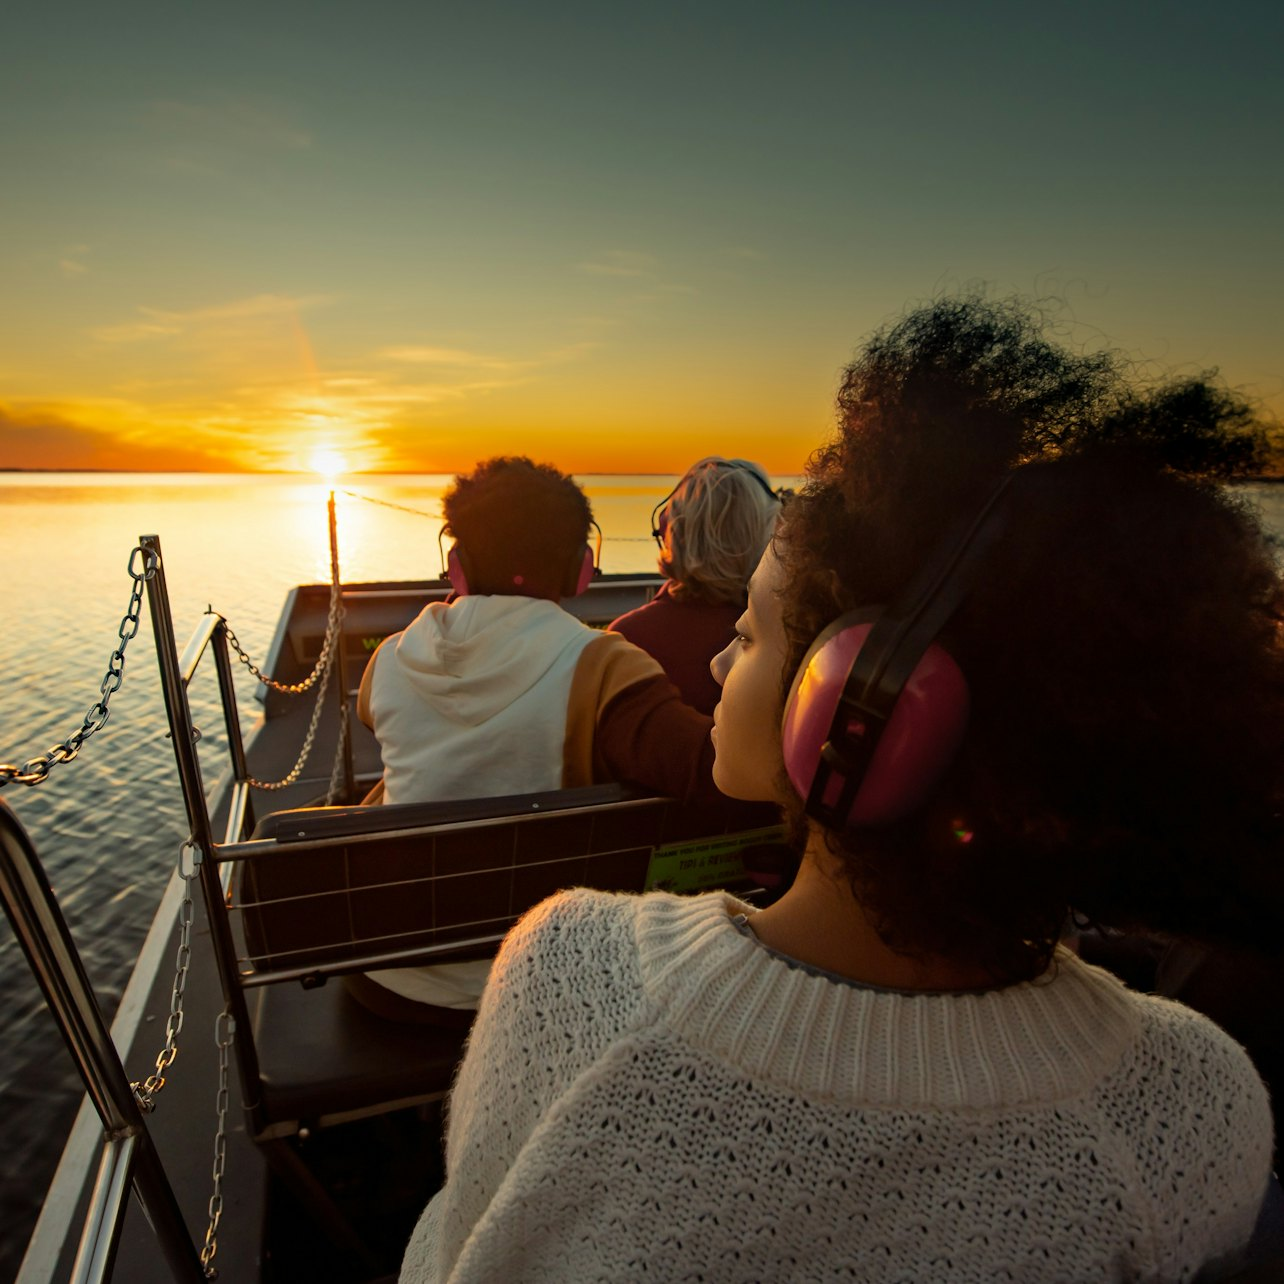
157, 323
133, 332
89, 435
502, 370
241, 388
641, 271
258, 305
239, 122
221, 140
70, 264
458, 358
619, 263
362, 409
572, 351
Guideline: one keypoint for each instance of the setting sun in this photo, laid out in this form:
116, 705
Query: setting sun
328, 463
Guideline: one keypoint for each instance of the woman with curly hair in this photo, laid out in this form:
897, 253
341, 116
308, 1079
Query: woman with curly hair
1069, 637
711, 529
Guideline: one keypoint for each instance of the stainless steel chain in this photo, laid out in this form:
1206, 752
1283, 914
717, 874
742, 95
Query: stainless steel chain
336, 768
34, 770
297, 769
401, 508
321, 674
224, 1034
328, 646
146, 1090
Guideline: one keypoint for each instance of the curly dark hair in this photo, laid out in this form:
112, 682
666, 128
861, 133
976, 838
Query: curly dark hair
512, 518
1125, 751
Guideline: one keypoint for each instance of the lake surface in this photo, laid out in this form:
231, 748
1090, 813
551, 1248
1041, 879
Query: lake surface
108, 825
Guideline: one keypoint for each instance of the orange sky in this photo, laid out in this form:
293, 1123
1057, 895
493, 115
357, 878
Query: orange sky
430, 236
244, 388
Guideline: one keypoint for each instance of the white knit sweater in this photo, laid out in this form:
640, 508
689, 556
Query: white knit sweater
650, 1095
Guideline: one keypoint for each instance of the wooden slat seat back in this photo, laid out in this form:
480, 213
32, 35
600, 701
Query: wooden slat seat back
329, 890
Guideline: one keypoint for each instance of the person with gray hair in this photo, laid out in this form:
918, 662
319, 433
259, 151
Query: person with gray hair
711, 529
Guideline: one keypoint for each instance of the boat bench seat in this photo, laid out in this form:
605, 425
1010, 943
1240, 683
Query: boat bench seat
318, 893
323, 891
323, 1055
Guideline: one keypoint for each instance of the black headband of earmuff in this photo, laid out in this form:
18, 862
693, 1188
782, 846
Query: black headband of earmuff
898, 640
658, 534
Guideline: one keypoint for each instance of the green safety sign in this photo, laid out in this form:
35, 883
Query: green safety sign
706, 862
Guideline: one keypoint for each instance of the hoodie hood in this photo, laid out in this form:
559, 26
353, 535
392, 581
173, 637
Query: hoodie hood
480, 655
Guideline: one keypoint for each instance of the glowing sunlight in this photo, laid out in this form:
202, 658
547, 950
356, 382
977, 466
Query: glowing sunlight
328, 463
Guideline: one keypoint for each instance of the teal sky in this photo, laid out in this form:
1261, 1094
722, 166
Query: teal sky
618, 237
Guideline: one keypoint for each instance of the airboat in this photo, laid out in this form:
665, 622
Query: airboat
300, 1135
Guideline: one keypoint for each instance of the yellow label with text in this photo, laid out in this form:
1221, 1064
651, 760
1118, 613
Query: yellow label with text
706, 862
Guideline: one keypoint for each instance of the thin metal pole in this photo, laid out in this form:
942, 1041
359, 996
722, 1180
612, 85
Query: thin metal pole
232, 719
180, 727
97, 1249
341, 661
195, 649
42, 932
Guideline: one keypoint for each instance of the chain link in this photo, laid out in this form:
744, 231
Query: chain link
336, 769
387, 503
328, 646
34, 770
326, 664
145, 1091
437, 516
224, 1035
297, 769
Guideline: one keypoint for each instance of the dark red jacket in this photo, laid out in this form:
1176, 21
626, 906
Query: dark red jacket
683, 634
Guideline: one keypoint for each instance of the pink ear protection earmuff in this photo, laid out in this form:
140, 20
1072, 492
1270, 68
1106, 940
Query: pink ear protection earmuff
854, 768
587, 570
590, 566
877, 709
455, 573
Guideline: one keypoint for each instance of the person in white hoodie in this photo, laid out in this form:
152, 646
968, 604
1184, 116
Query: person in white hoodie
500, 691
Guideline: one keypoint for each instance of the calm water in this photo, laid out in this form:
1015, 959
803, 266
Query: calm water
108, 825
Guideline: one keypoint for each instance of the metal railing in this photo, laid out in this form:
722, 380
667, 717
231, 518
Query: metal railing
129, 1158
176, 674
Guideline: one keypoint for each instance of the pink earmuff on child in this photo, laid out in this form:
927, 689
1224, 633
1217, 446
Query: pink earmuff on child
455, 572
458, 577
588, 569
